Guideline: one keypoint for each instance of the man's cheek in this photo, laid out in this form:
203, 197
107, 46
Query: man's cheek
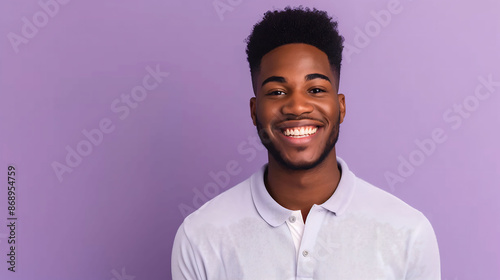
264, 136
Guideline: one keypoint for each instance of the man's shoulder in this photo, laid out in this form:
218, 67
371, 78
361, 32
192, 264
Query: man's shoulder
372, 200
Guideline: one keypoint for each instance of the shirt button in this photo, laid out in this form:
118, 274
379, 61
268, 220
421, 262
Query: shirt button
292, 219
305, 253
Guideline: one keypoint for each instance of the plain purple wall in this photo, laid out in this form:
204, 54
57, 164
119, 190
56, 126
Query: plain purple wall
412, 70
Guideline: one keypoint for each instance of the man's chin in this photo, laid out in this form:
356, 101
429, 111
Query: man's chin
296, 164
301, 166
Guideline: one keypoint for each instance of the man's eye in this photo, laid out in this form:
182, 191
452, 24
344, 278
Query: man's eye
317, 90
276, 92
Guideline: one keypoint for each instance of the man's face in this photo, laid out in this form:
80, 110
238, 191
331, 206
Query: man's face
297, 110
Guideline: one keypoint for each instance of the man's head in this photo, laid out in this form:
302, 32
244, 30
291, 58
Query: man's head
295, 58
295, 25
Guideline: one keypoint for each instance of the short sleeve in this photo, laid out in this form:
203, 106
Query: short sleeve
424, 261
184, 265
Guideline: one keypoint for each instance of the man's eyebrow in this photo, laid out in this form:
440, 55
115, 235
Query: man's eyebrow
308, 77
317, 76
273, 79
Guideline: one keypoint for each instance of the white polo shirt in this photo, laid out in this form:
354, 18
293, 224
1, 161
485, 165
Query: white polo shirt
360, 232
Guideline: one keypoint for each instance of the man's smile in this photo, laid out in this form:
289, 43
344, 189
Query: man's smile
300, 132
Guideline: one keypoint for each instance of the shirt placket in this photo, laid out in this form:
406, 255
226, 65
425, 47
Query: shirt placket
306, 261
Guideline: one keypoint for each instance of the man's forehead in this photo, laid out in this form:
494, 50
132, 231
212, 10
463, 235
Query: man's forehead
293, 52
294, 58
293, 61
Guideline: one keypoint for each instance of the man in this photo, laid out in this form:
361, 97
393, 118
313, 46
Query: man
304, 214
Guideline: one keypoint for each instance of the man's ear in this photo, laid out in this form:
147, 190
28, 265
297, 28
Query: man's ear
252, 110
341, 106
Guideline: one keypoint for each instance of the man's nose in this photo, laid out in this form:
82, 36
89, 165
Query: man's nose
297, 104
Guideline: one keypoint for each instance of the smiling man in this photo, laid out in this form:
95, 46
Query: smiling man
304, 214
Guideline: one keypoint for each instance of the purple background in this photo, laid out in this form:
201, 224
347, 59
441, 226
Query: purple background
115, 215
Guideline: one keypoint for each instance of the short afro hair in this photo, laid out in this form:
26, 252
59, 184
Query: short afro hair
297, 25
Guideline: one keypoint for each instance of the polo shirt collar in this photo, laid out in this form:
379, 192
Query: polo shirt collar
341, 198
275, 214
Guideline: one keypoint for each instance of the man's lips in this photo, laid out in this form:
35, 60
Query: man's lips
297, 124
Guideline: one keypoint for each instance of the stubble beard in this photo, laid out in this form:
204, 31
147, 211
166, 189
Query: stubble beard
277, 155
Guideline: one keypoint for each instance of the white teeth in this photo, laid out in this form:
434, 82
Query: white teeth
300, 132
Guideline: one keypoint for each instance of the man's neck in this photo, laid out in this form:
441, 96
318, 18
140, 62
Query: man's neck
300, 189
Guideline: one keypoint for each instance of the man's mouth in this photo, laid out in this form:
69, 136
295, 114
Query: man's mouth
299, 131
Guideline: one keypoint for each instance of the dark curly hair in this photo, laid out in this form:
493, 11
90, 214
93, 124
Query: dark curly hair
297, 25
